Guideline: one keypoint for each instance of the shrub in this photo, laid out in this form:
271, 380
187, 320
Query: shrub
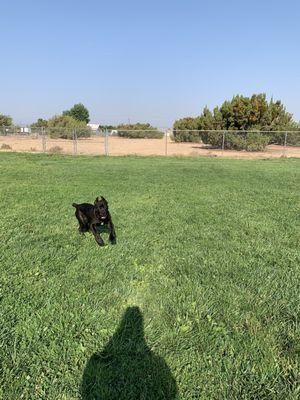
152, 134
293, 138
241, 113
214, 138
63, 126
55, 150
6, 147
276, 137
256, 141
139, 131
235, 141
184, 130
252, 141
186, 136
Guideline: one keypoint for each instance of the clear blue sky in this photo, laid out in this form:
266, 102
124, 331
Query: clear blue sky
152, 61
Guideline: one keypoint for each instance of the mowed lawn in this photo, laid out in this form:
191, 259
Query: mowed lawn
199, 299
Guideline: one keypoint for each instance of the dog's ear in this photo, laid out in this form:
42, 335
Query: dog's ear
97, 200
105, 201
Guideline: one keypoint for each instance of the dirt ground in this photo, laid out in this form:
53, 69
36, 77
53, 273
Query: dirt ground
121, 146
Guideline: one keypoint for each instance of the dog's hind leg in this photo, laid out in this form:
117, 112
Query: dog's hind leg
83, 222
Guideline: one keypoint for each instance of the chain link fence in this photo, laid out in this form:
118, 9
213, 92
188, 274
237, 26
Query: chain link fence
163, 142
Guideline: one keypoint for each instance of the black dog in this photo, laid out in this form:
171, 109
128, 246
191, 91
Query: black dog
91, 217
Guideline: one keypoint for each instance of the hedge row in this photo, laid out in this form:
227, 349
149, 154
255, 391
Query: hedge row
141, 134
250, 141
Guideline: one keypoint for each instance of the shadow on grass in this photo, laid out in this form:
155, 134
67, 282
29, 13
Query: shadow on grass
127, 368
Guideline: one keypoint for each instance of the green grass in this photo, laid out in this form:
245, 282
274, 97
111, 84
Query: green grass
199, 299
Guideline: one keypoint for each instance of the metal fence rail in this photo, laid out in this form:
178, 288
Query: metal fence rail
162, 142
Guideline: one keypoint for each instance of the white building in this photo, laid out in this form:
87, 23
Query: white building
94, 127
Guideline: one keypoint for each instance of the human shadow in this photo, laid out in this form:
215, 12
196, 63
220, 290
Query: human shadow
126, 369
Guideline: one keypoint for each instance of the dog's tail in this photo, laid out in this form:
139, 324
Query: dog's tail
75, 205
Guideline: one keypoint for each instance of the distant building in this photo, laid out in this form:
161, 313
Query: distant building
94, 127
25, 129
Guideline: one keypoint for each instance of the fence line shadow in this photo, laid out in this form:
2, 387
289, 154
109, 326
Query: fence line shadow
126, 369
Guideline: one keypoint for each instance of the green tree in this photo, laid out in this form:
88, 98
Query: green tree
79, 112
241, 113
206, 120
185, 130
64, 126
40, 123
5, 120
186, 123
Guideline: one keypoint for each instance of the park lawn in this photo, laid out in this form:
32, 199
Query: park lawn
199, 299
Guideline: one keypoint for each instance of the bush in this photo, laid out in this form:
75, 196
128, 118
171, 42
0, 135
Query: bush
293, 139
276, 137
139, 131
235, 141
55, 150
135, 134
252, 141
184, 130
63, 126
214, 138
241, 113
6, 147
256, 141
186, 136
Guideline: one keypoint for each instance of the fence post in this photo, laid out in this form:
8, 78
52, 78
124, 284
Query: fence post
45, 140
44, 145
106, 142
166, 142
103, 132
42, 137
223, 142
74, 142
285, 142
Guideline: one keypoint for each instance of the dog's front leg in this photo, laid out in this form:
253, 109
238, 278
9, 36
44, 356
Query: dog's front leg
97, 237
112, 234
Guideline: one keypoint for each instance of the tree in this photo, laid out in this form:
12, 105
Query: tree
206, 120
186, 123
64, 126
5, 120
241, 113
185, 130
79, 112
40, 123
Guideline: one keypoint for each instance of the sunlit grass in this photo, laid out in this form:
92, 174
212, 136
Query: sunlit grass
208, 250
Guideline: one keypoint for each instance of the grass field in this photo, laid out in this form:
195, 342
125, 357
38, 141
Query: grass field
199, 299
